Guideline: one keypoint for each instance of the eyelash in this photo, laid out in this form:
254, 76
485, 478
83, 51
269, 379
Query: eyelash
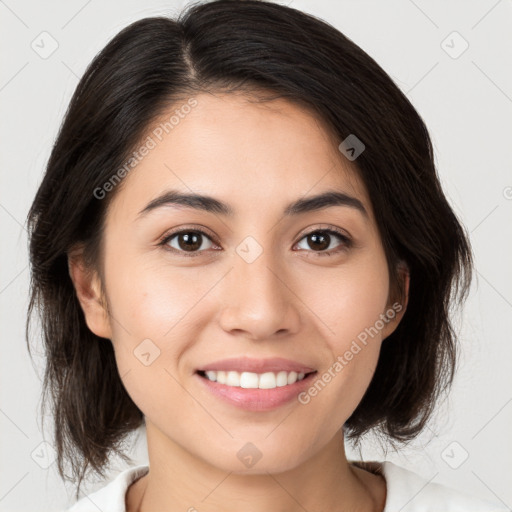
331, 230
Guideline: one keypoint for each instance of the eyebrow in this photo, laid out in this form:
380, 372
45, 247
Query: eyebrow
210, 204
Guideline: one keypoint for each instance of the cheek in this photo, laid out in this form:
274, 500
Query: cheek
349, 308
156, 315
161, 316
348, 301
153, 300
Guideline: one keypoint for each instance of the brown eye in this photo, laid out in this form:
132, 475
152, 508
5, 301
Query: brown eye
319, 240
187, 241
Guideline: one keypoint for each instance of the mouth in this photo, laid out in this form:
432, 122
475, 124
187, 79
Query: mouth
255, 392
252, 380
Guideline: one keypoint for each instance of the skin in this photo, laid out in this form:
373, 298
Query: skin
290, 302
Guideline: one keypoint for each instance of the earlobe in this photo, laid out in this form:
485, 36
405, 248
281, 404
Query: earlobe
88, 291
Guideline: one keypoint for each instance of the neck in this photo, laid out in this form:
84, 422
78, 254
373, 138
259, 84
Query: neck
178, 480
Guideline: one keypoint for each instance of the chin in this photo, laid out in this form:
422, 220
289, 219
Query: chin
257, 459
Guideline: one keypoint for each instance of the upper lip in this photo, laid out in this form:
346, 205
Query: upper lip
246, 364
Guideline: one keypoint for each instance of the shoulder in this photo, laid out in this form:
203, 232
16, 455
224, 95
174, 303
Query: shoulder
408, 491
110, 497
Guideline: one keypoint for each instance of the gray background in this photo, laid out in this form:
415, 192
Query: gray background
465, 100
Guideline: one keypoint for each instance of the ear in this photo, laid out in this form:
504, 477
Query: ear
89, 294
397, 305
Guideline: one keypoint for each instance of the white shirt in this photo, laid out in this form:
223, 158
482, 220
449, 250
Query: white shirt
406, 492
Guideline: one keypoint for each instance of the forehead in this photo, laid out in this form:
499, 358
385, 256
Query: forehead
244, 152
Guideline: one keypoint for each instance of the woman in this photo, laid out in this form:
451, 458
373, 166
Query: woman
241, 243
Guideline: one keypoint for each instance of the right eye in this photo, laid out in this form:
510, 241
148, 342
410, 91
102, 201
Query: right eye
187, 242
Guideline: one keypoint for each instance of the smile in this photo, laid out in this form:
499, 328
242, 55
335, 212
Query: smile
253, 391
250, 380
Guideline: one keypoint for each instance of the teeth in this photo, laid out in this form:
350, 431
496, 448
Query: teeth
268, 380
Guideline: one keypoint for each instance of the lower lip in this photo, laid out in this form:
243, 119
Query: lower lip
255, 399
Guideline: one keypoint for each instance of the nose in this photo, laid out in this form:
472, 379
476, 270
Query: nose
260, 302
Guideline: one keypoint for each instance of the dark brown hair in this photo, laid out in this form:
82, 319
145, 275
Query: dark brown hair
247, 45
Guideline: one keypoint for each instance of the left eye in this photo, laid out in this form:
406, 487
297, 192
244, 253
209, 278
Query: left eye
321, 239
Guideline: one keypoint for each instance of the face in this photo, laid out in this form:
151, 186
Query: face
308, 286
